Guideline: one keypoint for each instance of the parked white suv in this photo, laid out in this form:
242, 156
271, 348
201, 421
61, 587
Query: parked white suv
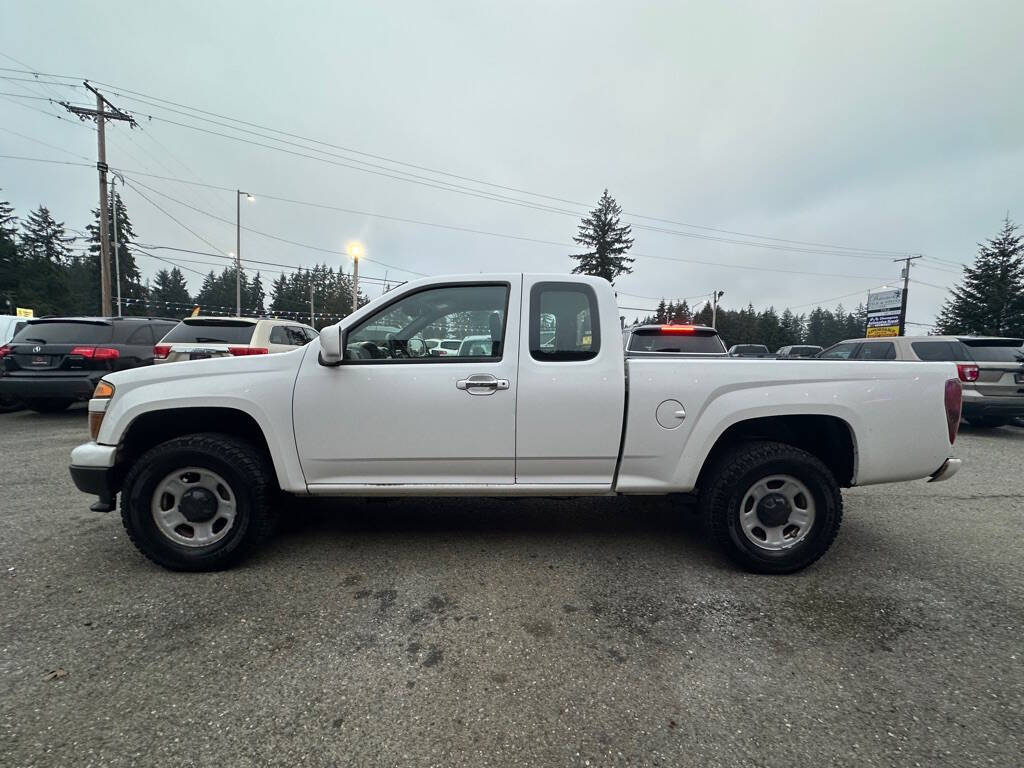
199, 338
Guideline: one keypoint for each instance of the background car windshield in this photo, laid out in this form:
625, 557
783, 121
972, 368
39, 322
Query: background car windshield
657, 341
994, 352
210, 332
65, 332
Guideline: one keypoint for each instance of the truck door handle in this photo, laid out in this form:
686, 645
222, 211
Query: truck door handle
481, 384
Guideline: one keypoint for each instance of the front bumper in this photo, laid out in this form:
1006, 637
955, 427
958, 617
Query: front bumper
28, 387
94, 470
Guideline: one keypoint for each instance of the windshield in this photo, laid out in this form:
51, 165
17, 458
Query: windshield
750, 349
210, 332
65, 332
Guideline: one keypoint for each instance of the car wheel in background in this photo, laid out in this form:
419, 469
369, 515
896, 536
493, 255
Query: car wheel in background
986, 422
48, 404
199, 502
771, 507
8, 404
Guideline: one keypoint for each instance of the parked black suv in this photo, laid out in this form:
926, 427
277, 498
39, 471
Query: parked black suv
54, 361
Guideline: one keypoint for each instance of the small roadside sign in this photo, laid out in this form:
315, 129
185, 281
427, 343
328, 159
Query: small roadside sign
23, 312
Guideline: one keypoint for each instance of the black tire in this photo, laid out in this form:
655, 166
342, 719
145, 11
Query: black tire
9, 403
247, 472
986, 422
727, 482
48, 404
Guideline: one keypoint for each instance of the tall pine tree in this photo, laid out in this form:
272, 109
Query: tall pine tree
45, 257
607, 241
9, 258
989, 301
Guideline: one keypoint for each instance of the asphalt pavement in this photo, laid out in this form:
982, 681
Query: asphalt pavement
530, 633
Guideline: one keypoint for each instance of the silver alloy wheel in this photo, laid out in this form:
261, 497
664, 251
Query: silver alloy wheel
777, 512
194, 507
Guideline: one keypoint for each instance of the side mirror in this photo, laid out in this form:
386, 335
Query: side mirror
417, 347
331, 345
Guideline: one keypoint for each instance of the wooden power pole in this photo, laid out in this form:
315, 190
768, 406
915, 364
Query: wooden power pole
903, 298
101, 115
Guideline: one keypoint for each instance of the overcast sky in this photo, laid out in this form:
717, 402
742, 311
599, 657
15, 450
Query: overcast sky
890, 126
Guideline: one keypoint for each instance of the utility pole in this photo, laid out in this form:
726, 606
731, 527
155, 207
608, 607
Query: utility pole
903, 297
312, 316
715, 296
101, 115
238, 247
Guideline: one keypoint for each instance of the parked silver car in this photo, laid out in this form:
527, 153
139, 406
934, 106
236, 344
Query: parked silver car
991, 368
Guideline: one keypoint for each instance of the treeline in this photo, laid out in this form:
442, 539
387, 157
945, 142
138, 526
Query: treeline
748, 326
53, 270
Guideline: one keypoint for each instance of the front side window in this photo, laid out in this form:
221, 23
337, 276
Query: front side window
470, 319
838, 352
563, 322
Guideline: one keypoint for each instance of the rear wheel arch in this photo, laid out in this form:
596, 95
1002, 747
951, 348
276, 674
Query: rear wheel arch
828, 438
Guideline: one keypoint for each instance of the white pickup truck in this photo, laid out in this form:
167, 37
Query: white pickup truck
201, 451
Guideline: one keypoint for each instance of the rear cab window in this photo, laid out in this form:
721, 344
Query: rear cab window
564, 323
675, 339
210, 332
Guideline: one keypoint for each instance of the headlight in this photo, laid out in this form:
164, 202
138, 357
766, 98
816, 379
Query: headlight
104, 391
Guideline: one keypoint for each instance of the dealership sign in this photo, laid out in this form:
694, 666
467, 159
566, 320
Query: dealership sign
884, 313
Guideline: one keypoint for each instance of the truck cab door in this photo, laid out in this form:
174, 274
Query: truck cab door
392, 414
571, 383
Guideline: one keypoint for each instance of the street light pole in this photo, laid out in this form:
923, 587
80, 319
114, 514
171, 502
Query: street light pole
714, 307
355, 250
238, 247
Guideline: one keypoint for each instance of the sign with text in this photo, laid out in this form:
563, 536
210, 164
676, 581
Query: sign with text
884, 313
22, 312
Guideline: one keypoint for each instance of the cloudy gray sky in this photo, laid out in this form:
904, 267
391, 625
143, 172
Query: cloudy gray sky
886, 126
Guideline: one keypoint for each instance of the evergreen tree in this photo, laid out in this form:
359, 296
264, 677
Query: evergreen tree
9, 258
169, 294
989, 300
661, 313
606, 241
123, 262
45, 256
683, 313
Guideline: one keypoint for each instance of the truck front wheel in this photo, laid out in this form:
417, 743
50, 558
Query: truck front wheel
199, 502
771, 507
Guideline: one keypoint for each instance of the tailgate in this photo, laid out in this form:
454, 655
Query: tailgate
180, 352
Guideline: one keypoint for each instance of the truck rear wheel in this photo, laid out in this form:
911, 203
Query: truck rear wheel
771, 507
199, 502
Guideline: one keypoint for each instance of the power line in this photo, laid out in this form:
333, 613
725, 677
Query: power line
173, 218
135, 95
332, 251
815, 247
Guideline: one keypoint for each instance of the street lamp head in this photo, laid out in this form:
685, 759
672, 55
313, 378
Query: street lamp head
355, 250
249, 197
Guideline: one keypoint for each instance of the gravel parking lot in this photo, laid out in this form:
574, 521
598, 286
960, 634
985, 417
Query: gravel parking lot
535, 633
